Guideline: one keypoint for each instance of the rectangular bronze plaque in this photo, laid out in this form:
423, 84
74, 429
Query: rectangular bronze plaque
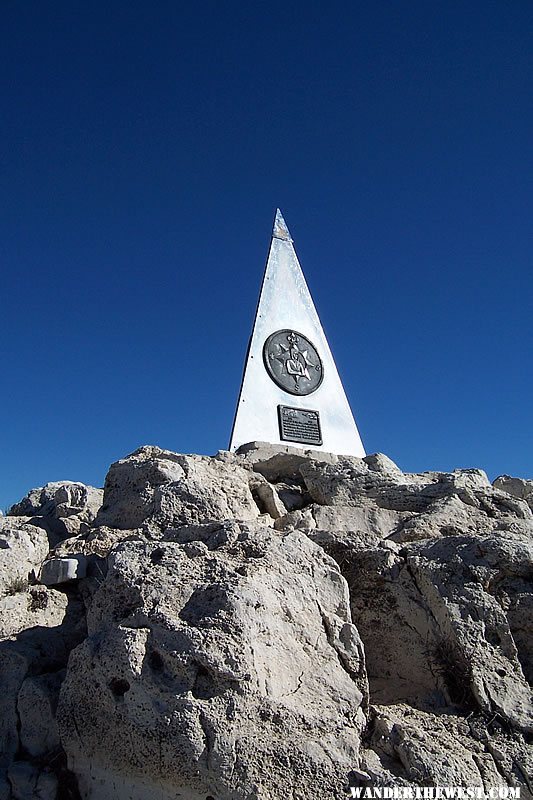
299, 425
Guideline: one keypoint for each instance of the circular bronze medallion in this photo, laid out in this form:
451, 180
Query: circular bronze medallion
293, 362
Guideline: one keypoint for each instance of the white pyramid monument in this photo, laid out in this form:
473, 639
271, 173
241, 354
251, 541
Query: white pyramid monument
291, 392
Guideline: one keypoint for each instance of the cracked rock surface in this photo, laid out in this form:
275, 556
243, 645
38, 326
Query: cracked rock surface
216, 657
276, 623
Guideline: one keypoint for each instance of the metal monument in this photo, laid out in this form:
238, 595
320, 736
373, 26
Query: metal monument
291, 392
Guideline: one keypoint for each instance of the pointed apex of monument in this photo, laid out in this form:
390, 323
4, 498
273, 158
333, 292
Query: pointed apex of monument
291, 393
280, 228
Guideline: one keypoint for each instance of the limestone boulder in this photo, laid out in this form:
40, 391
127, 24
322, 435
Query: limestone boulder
463, 581
55, 571
162, 489
277, 462
267, 498
33, 607
96, 542
300, 520
277, 622
38, 629
446, 516
221, 664
379, 462
62, 508
445, 621
36, 707
23, 548
409, 746
369, 519
353, 482
82, 556
519, 610
516, 487
14, 666
130, 485
392, 618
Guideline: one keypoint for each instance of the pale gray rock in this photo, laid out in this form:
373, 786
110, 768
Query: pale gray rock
499, 502
224, 657
212, 666
277, 462
62, 508
130, 485
60, 499
14, 666
22, 549
36, 707
164, 489
377, 523
210, 491
35, 607
299, 520
474, 479
410, 746
519, 609
100, 541
398, 631
460, 578
38, 628
281, 497
96, 542
517, 487
62, 570
444, 621
351, 482
448, 516
513, 757
270, 500
353, 528
60, 627
292, 495
379, 462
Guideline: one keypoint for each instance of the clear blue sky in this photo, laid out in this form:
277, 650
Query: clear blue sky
144, 149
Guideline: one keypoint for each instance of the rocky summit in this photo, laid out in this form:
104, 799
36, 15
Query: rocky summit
268, 625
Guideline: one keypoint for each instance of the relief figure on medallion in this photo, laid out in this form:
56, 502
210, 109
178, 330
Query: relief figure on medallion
292, 362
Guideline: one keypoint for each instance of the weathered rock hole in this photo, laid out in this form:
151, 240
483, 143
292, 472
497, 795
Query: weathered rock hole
501, 672
206, 685
492, 637
202, 688
119, 687
259, 503
254, 551
156, 661
157, 555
